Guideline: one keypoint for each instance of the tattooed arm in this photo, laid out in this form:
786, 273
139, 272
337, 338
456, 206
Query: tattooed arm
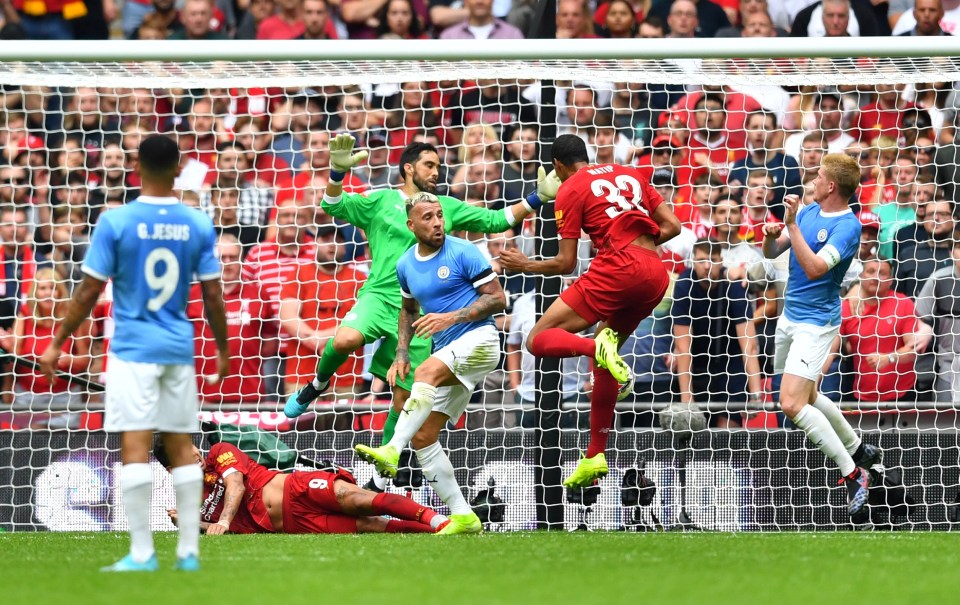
492, 300
232, 501
409, 312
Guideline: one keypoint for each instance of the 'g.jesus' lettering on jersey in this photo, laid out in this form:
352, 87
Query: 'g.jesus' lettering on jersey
152, 249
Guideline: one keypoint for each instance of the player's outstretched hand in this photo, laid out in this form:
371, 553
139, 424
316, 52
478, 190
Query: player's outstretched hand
342, 158
399, 368
792, 205
49, 362
772, 230
547, 184
512, 259
431, 323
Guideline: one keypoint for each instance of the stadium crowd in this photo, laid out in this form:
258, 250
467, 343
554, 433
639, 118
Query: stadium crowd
256, 160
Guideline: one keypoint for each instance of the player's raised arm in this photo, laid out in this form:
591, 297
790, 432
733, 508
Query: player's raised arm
814, 265
775, 242
467, 217
342, 160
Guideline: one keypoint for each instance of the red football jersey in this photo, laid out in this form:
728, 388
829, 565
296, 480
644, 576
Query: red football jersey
222, 460
611, 203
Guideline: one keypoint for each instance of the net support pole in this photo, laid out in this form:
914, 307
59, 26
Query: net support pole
547, 452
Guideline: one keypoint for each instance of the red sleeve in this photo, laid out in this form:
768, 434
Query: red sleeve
568, 210
225, 456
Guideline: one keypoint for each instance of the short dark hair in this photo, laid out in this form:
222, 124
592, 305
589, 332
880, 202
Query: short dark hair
160, 452
231, 144
410, 155
716, 97
708, 246
570, 149
159, 155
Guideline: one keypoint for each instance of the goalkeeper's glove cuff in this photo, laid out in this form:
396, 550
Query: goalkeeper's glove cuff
336, 177
533, 202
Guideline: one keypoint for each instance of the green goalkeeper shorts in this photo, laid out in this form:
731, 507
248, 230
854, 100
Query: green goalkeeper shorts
376, 318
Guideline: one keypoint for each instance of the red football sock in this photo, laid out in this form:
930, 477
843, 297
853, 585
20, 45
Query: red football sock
402, 508
397, 526
603, 403
557, 342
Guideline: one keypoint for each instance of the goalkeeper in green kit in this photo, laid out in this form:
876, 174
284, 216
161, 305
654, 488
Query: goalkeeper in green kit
383, 217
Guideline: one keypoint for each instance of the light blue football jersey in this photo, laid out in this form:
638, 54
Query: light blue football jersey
817, 301
152, 249
446, 281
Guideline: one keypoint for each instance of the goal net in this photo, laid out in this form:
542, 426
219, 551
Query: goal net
723, 140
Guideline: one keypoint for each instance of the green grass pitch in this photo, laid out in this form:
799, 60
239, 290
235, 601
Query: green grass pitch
527, 568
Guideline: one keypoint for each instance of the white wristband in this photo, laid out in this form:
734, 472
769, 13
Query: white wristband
224, 524
333, 201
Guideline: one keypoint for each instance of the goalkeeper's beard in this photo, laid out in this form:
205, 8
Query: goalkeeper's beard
424, 185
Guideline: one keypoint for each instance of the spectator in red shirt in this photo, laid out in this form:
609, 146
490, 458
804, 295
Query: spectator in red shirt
311, 306
573, 20
884, 335
270, 265
244, 322
199, 138
33, 331
883, 117
288, 23
713, 148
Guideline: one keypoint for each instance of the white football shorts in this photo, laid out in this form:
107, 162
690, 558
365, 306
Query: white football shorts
471, 357
150, 396
801, 348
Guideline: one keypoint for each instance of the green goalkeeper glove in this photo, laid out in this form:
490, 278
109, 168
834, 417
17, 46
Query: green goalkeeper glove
342, 158
547, 187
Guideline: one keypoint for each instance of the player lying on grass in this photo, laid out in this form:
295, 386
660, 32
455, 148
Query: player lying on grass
244, 497
626, 219
459, 291
383, 217
823, 239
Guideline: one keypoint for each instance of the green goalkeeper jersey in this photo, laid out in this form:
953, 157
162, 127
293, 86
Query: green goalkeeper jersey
382, 215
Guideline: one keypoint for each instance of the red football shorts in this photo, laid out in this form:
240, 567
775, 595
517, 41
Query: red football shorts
621, 287
310, 504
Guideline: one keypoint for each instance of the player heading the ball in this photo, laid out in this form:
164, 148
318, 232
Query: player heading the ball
152, 249
460, 293
626, 219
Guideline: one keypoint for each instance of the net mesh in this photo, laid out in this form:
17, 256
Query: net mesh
722, 141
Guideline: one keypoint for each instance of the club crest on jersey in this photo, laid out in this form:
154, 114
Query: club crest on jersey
822, 235
443, 272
